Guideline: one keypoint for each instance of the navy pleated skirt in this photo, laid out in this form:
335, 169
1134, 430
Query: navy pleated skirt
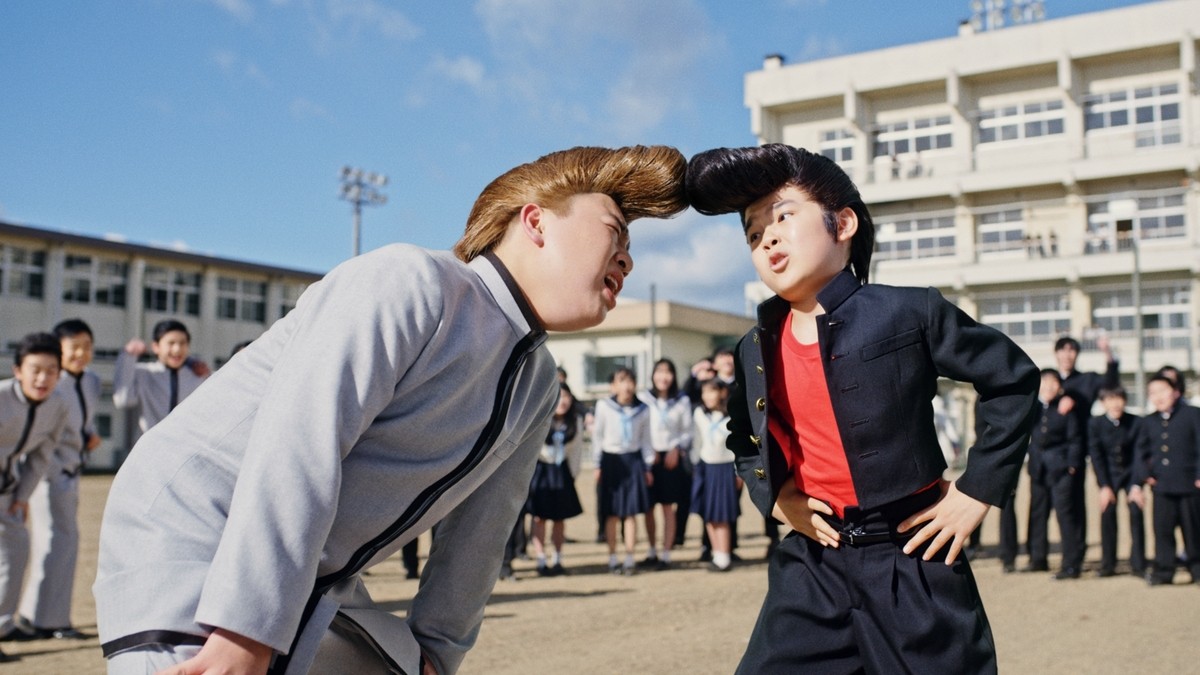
671, 486
714, 493
552, 493
623, 490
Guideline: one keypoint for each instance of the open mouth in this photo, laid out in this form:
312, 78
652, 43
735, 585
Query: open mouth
613, 283
777, 260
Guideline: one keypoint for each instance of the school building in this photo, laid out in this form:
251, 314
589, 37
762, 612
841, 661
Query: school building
121, 290
1044, 176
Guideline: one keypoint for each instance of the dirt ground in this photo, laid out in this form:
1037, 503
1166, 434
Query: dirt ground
688, 620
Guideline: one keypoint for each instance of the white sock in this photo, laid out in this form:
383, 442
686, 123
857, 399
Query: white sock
557, 560
721, 560
629, 560
612, 560
652, 553
666, 556
541, 560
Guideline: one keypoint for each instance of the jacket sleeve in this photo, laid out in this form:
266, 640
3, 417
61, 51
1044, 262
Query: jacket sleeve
1075, 449
336, 371
1141, 453
38, 459
1098, 452
125, 391
467, 551
1006, 381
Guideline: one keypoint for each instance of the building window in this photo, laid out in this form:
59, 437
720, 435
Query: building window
837, 145
930, 237
87, 280
915, 135
1028, 317
598, 369
23, 271
1153, 112
171, 291
290, 296
1014, 122
1000, 231
1166, 314
241, 299
1159, 215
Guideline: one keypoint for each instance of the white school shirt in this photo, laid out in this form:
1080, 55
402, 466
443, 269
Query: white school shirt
711, 430
570, 450
670, 421
621, 430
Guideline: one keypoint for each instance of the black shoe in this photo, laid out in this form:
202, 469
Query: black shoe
506, 573
662, 565
1155, 580
649, 562
713, 567
1066, 573
543, 571
7, 658
1105, 573
1008, 567
411, 574
557, 570
733, 557
706, 555
18, 635
67, 633
1036, 567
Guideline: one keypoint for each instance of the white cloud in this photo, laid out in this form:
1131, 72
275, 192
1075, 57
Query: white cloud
225, 59
238, 9
820, 46
463, 69
370, 14
622, 65
691, 259
302, 108
235, 67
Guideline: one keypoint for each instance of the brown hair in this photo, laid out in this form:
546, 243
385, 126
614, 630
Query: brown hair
644, 181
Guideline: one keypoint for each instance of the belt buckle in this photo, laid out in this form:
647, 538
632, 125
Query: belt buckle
849, 536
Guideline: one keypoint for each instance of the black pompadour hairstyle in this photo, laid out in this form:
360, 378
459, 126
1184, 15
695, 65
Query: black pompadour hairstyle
728, 180
38, 343
72, 327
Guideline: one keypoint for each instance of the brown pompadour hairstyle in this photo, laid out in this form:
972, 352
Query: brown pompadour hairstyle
644, 181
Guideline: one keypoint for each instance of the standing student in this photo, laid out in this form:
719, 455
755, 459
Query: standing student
54, 505
1112, 447
623, 453
1056, 467
156, 388
33, 417
715, 483
832, 425
670, 433
408, 387
1168, 446
552, 496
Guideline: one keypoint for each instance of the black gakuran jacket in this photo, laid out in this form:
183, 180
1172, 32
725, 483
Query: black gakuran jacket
883, 349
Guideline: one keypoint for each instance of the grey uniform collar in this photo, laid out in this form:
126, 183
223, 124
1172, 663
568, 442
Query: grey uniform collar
506, 292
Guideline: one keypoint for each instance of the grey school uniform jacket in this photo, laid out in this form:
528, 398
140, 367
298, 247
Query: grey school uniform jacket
27, 446
82, 395
404, 389
147, 387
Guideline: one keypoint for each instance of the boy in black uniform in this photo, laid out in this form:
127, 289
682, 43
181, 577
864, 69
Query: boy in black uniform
1168, 447
831, 422
1111, 439
1055, 468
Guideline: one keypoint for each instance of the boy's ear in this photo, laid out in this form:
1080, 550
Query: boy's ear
531, 223
847, 224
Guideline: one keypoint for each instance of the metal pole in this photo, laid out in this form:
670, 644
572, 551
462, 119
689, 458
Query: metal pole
1140, 375
357, 228
653, 327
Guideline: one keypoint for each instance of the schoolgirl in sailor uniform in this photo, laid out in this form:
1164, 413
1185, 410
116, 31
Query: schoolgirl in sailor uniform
671, 435
715, 483
552, 495
623, 454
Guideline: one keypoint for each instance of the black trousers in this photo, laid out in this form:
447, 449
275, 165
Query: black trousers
1172, 511
1137, 536
1060, 493
1008, 531
868, 609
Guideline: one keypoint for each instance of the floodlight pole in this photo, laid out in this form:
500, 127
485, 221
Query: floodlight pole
361, 188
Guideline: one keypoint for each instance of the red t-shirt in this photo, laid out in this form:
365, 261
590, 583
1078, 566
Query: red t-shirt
801, 420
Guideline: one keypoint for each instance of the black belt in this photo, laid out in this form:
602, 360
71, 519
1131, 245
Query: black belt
879, 525
859, 537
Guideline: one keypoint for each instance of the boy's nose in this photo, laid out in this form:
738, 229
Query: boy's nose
625, 262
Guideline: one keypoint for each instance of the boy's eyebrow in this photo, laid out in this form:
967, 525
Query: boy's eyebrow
772, 207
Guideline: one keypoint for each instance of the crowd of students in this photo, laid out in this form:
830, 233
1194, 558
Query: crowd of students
1130, 456
47, 430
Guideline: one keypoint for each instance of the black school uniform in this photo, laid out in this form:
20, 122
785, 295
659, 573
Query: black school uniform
1111, 445
1168, 446
1055, 471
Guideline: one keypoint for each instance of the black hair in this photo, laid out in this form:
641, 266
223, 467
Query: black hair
729, 180
38, 343
721, 351
1162, 378
72, 327
1067, 341
1050, 372
673, 390
714, 383
1109, 392
166, 326
622, 371
1176, 380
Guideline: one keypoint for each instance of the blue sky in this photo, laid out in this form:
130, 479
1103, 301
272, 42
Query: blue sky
221, 125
